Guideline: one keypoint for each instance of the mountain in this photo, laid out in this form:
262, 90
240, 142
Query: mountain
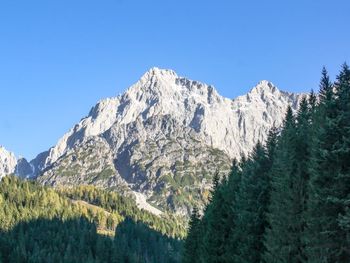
8, 162
163, 139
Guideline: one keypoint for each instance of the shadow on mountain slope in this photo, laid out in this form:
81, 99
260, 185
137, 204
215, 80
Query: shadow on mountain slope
76, 240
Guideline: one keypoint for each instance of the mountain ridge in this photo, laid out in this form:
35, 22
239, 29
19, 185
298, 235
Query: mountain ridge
108, 106
162, 134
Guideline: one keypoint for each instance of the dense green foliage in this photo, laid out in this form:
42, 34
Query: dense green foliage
137, 243
114, 203
40, 224
328, 236
55, 240
289, 200
191, 247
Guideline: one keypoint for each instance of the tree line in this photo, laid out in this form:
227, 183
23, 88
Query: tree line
289, 200
42, 224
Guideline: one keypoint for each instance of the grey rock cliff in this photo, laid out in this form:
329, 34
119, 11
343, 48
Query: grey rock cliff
164, 137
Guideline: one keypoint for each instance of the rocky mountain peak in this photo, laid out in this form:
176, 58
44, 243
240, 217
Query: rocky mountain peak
163, 138
264, 86
8, 162
163, 83
159, 73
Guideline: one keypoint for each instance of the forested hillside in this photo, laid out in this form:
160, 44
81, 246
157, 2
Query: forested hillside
289, 200
40, 224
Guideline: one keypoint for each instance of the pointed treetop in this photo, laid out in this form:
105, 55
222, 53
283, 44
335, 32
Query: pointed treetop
345, 68
326, 87
216, 182
258, 151
289, 119
342, 86
325, 77
303, 107
344, 75
271, 142
312, 99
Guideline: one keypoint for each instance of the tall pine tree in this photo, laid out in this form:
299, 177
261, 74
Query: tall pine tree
251, 207
328, 236
284, 238
193, 240
216, 226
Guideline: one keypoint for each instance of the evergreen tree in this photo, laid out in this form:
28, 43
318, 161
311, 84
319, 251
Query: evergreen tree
326, 88
285, 240
251, 207
216, 183
192, 243
328, 236
271, 144
39, 224
233, 184
302, 178
215, 229
282, 239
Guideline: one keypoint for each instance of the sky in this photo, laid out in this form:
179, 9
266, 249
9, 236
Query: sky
58, 58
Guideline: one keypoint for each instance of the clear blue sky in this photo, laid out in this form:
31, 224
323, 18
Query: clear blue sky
57, 58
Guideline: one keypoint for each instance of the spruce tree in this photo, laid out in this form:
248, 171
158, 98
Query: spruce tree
233, 184
325, 136
326, 87
328, 235
251, 206
216, 225
271, 144
192, 242
283, 239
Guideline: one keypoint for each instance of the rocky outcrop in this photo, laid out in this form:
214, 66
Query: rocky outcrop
164, 138
8, 162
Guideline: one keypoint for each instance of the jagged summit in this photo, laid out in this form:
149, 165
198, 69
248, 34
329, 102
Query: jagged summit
165, 135
155, 71
8, 162
156, 78
166, 79
264, 86
153, 76
159, 92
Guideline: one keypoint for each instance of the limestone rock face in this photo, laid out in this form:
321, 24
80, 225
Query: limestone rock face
164, 138
23, 168
8, 162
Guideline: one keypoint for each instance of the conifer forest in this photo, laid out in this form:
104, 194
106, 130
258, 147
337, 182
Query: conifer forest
288, 201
